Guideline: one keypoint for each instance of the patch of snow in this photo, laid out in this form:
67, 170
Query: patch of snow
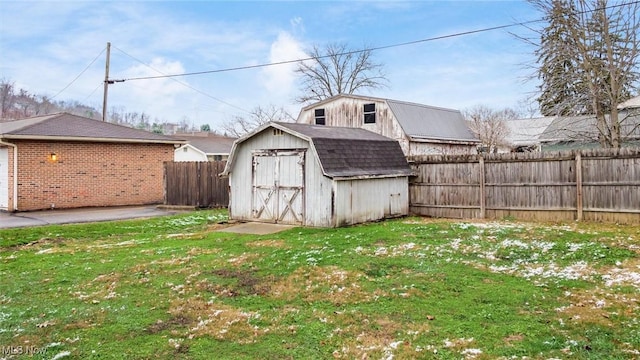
61, 355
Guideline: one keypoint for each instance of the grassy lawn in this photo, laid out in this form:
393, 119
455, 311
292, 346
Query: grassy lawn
175, 288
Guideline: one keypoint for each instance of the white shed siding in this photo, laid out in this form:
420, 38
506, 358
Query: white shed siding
318, 195
317, 187
355, 202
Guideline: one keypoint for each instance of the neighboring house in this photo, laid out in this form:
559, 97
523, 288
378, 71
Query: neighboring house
633, 103
524, 134
420, 129
579, 132
319, 176
68, 161
203, 147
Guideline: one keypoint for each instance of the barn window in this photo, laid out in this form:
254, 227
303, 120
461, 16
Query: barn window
369, 113
278, 132
320, 118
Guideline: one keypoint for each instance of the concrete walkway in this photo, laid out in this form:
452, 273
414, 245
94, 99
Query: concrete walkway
83, 215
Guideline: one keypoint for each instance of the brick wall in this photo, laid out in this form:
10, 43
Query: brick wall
89, 174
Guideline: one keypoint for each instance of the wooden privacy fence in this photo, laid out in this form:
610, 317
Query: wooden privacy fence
600, 185
193, 183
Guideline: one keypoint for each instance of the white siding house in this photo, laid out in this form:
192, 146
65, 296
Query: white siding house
188, 152
316, 176
420, 129
203, 147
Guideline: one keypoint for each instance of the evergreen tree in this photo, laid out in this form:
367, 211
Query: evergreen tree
588, 60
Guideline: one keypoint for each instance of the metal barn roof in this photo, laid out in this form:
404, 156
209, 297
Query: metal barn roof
430, 122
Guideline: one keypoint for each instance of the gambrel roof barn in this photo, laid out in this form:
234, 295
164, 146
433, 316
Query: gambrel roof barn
420, 129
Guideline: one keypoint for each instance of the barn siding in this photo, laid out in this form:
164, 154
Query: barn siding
349, 112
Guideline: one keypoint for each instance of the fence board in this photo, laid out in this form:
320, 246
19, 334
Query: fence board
192, 183
595, 184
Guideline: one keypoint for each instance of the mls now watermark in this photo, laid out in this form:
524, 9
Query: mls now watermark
22, 350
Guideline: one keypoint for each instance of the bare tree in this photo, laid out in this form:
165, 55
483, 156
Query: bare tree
239, 125
489, 125
336, 69
588, 60
7, 97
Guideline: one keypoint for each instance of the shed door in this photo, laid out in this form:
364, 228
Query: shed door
4, 178
278, 186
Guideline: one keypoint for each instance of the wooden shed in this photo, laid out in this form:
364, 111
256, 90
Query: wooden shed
317, 176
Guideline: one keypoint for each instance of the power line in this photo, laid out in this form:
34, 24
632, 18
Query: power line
178, 81
77, 77
344, 53
458, 34
94, 90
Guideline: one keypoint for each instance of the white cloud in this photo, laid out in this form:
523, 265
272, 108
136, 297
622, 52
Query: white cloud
279, 80
158, 97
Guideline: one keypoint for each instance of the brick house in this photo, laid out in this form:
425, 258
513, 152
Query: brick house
68, 161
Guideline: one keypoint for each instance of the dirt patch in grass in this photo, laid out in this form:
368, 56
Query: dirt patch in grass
375, 338
177, 321
268, 243
511, 339
323, 284
243, 259
246, 282
41, 242
200, 251
198, 317
598, 305
104, 287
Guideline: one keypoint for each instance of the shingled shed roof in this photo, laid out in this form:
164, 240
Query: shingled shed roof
344, 152
69, 127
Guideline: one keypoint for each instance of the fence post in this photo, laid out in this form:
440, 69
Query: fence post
579, 186
483, 204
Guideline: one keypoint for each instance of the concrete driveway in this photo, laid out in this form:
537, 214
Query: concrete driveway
62, 216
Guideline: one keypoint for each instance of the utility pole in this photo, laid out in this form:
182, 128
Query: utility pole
106, 83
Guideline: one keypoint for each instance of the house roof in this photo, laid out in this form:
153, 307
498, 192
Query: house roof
584, 128
527, 131
65, 126
419, 121
210, 144
343, 152
632, 103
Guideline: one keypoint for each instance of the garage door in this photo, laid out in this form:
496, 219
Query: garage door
4, 178
278, 186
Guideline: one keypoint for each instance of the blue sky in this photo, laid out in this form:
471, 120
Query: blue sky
45, 45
